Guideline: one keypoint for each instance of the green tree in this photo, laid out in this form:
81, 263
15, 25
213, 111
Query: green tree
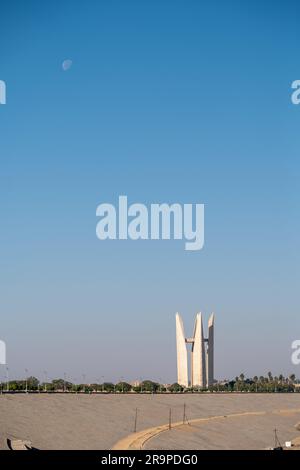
108, 387
32, 383
123, 387
149, 386
58, 384
270, 376
175, 388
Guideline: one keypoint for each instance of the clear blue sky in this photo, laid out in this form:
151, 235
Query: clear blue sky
166, 101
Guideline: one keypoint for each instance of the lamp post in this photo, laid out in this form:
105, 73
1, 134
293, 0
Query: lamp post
102, 377
45, 383
26, 381
7, 380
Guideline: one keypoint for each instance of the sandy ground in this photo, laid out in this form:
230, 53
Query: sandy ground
100, 421
232, 432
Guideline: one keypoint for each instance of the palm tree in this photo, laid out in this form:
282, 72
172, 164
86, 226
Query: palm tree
255, 380
281, 378
270, 376
292, 378
237, 383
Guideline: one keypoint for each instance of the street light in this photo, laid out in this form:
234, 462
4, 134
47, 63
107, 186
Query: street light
7, 383
102, 378
45, 384
83, 379
26, 386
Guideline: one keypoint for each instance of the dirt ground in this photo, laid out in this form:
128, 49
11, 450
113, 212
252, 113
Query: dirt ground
80, 421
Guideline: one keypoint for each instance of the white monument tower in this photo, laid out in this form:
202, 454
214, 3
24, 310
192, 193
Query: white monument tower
202, 353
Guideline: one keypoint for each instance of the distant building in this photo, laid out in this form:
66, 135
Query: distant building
135, 383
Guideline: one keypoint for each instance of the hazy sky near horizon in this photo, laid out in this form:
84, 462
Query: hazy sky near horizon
165, 101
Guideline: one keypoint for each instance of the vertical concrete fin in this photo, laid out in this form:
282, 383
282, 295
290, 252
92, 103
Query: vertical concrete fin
182, 360
210, 350
199, 359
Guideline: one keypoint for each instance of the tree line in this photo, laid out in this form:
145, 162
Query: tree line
240, 384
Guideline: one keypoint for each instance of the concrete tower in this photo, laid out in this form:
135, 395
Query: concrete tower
210, 350
198, 359
202, 353
182, 362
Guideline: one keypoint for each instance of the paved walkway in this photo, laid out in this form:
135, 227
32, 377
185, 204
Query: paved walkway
137, 441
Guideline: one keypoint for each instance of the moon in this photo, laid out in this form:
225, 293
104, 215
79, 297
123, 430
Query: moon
67, 64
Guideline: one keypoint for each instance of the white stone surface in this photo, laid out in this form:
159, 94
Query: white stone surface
198, 354
182, 363
210, 351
